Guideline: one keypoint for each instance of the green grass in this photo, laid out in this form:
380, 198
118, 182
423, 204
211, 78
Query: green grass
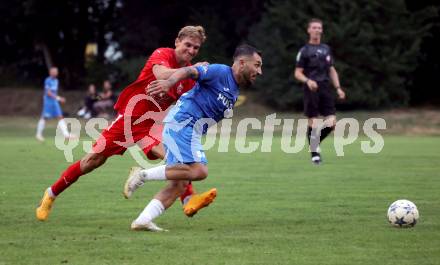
272, 208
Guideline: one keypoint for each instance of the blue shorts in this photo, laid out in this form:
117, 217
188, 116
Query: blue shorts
51, 109
183, 145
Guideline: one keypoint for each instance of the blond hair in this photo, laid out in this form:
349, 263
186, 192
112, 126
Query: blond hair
192, 32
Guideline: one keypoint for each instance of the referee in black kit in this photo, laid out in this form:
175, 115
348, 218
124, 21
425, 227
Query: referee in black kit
314, 68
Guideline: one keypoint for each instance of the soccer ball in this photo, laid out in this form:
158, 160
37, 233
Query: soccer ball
403, 213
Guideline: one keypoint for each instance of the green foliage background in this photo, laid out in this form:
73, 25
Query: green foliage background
381, 47
375, 45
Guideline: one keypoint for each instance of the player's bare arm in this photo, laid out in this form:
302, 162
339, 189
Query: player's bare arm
50, 94
334, 77
58, 98
299, 75
162, 72
161, 86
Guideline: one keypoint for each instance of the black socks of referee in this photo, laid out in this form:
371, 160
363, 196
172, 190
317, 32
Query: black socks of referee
325, 132
313, 137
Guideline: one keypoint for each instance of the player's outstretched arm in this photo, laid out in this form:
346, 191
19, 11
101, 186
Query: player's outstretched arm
161, 86
163, 72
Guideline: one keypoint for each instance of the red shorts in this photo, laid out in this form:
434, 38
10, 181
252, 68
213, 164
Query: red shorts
116, 138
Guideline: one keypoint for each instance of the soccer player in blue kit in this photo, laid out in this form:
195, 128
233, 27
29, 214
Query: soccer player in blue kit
212, 97
51, 106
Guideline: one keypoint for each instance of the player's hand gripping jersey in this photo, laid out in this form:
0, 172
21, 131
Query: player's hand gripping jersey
133, 100
140, 115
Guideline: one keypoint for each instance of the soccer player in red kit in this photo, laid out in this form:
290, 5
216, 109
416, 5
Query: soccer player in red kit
137, 123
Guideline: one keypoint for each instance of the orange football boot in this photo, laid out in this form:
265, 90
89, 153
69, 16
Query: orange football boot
199, 201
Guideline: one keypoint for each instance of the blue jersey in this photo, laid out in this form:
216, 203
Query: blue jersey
50, 84
51, 107
213, 96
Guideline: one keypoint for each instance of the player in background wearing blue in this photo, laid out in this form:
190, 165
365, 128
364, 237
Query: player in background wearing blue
51, 105
210, 100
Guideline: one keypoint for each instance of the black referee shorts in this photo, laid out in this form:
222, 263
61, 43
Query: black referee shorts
320, 102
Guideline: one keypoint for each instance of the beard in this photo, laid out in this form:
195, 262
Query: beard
247, 81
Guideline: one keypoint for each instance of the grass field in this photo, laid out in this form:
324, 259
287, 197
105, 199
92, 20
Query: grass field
272, 208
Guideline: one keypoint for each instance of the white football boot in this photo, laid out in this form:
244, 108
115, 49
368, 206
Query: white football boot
133, 182
150, 226
39, 137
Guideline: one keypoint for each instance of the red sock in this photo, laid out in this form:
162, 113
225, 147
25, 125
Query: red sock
188, 192
69, 176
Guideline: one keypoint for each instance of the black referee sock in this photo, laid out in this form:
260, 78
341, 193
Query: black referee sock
309, 131
325, 132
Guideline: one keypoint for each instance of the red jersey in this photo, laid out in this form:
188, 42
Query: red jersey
143, 103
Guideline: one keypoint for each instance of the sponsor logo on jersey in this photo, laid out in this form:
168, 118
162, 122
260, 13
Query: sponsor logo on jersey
225, 101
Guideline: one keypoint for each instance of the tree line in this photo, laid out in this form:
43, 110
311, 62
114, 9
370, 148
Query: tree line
384, 50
